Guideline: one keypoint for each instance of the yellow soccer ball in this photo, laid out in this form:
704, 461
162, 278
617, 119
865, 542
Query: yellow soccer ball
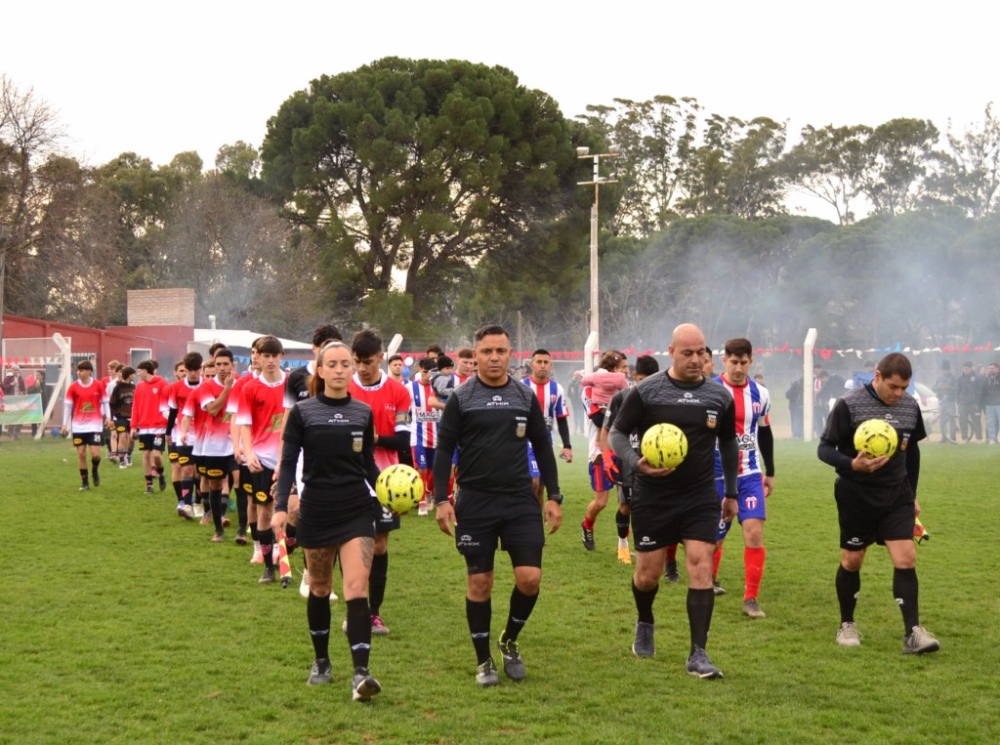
875, 438
664, 446
399, 488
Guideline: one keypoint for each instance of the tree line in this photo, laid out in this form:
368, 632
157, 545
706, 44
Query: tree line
424, 196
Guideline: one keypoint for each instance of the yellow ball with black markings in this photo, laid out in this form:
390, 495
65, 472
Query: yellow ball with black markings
875, 438
399, 488
664, 445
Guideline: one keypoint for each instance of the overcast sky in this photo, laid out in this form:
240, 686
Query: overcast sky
161, 78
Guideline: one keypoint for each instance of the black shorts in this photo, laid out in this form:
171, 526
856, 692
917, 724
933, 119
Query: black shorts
386, 520
661, 522
122, 423
216, 466
488, 520
87, 438
261, 485
181, 455
320, 533
152, 442
870, 516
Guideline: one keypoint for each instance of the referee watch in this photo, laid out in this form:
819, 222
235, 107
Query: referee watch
557, 498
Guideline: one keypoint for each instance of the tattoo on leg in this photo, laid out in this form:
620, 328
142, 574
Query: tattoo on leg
367, 551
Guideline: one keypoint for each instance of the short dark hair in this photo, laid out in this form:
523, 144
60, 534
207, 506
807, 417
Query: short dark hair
224, 352
394, 358
646, 364
492, 329
146, 366
895, 363
269, 345
366, 343
543, 352
436, 349
445, 361
426, 363
127, 372
738, 347
85, 365
326, 332
192, 361
215, 348
466, 353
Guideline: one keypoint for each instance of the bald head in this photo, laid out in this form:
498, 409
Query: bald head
687, 352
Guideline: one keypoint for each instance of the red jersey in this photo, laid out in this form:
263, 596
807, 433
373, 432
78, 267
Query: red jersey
85, 406
390, 404
211, 432
262, 408
148, 404
178, 393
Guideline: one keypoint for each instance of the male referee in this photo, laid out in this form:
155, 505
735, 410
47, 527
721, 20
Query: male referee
490, 418
670, 505
876, 497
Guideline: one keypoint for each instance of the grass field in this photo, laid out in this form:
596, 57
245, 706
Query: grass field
120, 623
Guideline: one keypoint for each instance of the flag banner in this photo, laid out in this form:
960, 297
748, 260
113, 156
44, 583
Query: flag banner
21, 409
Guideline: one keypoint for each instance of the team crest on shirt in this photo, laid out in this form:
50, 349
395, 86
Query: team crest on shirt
712, 420
522, 427
357, 442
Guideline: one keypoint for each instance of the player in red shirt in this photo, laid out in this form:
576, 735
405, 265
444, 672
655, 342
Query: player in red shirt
149, 425
182, 453
390, 404
259, 417
86, 411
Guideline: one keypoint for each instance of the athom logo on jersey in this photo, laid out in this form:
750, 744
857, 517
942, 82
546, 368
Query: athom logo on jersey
498, 401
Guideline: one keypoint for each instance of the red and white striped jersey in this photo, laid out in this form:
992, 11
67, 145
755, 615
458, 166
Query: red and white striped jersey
425, 419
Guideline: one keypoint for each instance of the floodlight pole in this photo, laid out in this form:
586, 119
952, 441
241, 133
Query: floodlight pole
595, 318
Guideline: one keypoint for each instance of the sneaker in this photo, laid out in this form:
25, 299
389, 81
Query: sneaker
422, 508
218, 538
624, 556
184, 511
240, 539
258, 555
848, 635
588, 538
486, 674
752, 609
304, 584
206, 516
163, 482
113, 459
920, 641
700, 666
364, 686
717, 588
84, 487
128, 461
320, 673
267, 577
96, 478
122, 465
643, 645
378, 628
149, 488
671, 574
513, 665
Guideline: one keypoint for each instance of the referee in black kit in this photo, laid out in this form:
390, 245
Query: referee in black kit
670, 505
490, 419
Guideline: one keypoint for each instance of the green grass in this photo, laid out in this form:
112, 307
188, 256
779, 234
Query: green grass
120, 623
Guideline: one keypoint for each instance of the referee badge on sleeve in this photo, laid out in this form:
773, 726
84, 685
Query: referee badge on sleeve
522, 427
357, 442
